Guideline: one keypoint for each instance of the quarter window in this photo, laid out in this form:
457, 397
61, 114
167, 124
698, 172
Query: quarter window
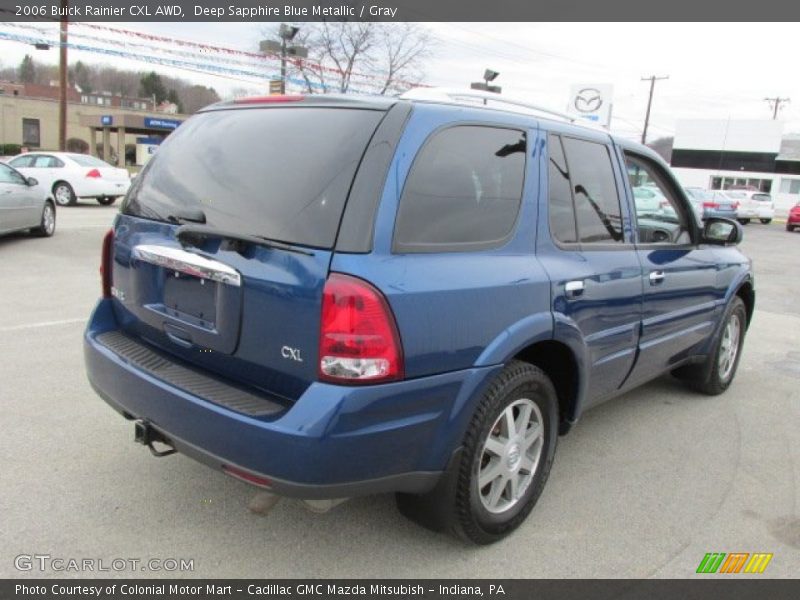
463, 192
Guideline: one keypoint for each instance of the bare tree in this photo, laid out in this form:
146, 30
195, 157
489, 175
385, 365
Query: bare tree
383, 58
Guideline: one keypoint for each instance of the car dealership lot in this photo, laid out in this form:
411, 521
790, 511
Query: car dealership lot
644, 485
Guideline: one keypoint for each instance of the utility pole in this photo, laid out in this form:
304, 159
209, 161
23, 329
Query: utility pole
62, 75
652, 79
775, 105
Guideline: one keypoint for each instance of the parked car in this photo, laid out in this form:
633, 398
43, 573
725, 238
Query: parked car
71, 176
24, 204
720, 205
793, 220
698, 197
765, 207
405, 295
749, 204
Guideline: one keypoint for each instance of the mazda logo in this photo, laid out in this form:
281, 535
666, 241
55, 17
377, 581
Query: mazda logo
588, 100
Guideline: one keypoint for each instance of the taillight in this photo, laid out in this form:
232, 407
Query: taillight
106, 264
710, 205
735, 206
358, 342
94, 174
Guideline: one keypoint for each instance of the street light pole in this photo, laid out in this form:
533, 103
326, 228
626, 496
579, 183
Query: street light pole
283, 65
62, 72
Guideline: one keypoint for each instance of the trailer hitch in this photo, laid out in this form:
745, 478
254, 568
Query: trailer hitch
145, 434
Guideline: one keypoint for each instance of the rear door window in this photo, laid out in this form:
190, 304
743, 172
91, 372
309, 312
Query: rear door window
597, 205
279, 173
463, 192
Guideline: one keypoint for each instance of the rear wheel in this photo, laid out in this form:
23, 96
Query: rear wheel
789, 227
107, 200
63, 193
766, 221
715, 375
744, 221
47, 226
503, 464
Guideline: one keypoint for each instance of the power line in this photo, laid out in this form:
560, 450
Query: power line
652, 80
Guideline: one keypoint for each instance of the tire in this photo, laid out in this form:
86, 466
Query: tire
766, 221
521, 392
715, 375
63, 194
789, 227
106, 200
47, 225
744, 221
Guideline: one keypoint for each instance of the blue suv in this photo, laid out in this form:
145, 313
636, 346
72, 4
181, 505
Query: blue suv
331, 296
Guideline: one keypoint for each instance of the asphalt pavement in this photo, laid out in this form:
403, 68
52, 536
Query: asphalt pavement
644, 486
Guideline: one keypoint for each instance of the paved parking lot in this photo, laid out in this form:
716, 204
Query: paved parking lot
644, 486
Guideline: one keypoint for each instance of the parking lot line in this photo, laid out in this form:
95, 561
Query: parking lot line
43, 324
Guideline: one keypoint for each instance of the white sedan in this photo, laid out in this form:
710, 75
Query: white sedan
753, 205
71, 176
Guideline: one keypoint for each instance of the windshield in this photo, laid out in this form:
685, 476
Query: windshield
279, 173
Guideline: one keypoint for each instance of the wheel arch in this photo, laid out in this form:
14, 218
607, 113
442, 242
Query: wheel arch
560, 363
747, 293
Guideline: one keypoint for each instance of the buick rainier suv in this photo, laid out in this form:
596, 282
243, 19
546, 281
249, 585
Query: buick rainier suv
332, 296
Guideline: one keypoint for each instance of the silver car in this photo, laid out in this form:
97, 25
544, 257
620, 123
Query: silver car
24, 204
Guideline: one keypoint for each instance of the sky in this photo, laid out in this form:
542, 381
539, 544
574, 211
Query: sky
716, 70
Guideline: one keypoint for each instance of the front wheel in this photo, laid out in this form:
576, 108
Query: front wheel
47, 225
789, 227
715, 375
744, 221
107, 200
503, 464
766, 221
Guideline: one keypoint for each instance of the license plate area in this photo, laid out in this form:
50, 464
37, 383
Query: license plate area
191, 299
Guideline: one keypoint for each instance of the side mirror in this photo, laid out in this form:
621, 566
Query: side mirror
722, 232
32, 181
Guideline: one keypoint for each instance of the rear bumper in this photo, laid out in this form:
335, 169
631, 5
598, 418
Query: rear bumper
334, 441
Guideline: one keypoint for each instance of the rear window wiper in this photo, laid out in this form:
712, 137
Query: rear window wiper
193, 235
194, 215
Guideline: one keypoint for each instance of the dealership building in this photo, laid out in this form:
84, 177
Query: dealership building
107, 125
721, 154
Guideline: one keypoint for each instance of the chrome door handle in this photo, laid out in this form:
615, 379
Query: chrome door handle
656, 277
573, 289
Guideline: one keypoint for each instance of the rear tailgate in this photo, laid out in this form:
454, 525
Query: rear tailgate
246, 310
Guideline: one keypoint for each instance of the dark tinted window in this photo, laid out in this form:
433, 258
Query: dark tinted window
562, 211
463, 192
595, 191
280, 173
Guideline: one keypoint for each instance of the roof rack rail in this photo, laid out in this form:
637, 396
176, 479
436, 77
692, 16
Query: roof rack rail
451, 95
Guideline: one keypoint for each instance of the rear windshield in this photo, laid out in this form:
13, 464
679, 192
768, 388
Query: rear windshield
279, 173
762, 197
86, 160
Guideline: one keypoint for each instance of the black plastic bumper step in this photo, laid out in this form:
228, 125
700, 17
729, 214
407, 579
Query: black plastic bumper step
189, 380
